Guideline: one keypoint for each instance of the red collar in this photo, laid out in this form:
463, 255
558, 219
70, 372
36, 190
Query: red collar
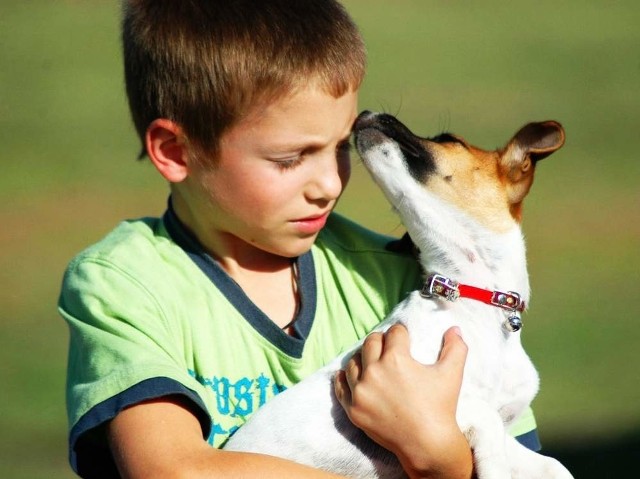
441, 286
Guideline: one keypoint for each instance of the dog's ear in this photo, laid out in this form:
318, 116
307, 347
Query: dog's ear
539, 140
533, 142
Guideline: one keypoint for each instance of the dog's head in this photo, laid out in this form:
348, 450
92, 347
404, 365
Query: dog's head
489, 186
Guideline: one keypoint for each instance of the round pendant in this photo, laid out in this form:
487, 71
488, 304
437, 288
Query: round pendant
513, 324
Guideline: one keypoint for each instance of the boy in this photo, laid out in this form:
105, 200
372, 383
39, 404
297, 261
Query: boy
182, 326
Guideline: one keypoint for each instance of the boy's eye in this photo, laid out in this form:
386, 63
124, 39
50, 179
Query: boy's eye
343, 152
289, 163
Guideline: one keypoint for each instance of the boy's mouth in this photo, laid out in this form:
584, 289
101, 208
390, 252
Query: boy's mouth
311, 224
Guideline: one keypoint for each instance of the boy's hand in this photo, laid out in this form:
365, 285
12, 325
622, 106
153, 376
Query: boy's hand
407, 407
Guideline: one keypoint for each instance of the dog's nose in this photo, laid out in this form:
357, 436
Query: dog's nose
365, 119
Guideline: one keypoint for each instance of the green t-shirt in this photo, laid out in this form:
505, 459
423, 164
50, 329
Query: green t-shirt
151, 315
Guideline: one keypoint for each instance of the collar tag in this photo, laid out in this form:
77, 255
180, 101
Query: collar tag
509, 300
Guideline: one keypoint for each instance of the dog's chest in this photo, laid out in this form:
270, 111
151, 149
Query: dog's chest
497, 368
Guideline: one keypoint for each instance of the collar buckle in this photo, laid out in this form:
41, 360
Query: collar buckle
438, 285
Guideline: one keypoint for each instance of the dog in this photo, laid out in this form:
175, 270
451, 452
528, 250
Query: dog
462, 208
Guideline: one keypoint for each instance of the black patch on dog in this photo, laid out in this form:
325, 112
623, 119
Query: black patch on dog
418, 159
447, 138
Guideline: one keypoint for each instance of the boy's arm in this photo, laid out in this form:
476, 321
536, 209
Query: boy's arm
162, 438
408, 407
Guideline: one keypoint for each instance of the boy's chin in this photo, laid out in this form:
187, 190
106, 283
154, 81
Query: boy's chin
296, 247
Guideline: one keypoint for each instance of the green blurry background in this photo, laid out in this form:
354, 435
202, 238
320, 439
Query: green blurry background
480, 69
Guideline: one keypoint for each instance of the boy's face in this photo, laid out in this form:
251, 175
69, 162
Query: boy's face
278, 175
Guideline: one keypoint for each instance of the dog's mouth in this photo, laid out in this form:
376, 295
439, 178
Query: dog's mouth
372, 129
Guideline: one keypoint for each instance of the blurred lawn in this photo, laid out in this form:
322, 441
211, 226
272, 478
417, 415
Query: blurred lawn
480, 69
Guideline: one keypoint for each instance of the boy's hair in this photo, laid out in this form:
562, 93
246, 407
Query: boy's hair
205, 63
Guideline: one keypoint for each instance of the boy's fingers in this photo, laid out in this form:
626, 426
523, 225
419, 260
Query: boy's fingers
342, 390
397, 336
371, 349
454, 350
353, 370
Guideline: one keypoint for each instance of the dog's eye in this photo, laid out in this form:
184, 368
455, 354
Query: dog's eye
447, 138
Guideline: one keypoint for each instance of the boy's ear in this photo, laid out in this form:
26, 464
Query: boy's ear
167, 149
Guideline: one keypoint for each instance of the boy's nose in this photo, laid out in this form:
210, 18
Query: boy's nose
330, 179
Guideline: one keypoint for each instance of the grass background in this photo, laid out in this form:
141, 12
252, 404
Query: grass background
480, 69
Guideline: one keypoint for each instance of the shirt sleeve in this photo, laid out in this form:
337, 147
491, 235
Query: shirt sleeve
122, 351
525, 430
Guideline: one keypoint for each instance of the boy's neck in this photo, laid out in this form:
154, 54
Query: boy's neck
275, 293
268, 280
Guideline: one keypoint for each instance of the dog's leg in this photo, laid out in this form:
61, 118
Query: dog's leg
527, 464
484, 430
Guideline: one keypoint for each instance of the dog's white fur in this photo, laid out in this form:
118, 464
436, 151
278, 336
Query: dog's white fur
306, 423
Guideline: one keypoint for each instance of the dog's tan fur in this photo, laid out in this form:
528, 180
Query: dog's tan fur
488, 185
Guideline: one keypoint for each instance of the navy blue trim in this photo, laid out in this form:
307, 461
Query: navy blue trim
530, 440
86, 461
292, 345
